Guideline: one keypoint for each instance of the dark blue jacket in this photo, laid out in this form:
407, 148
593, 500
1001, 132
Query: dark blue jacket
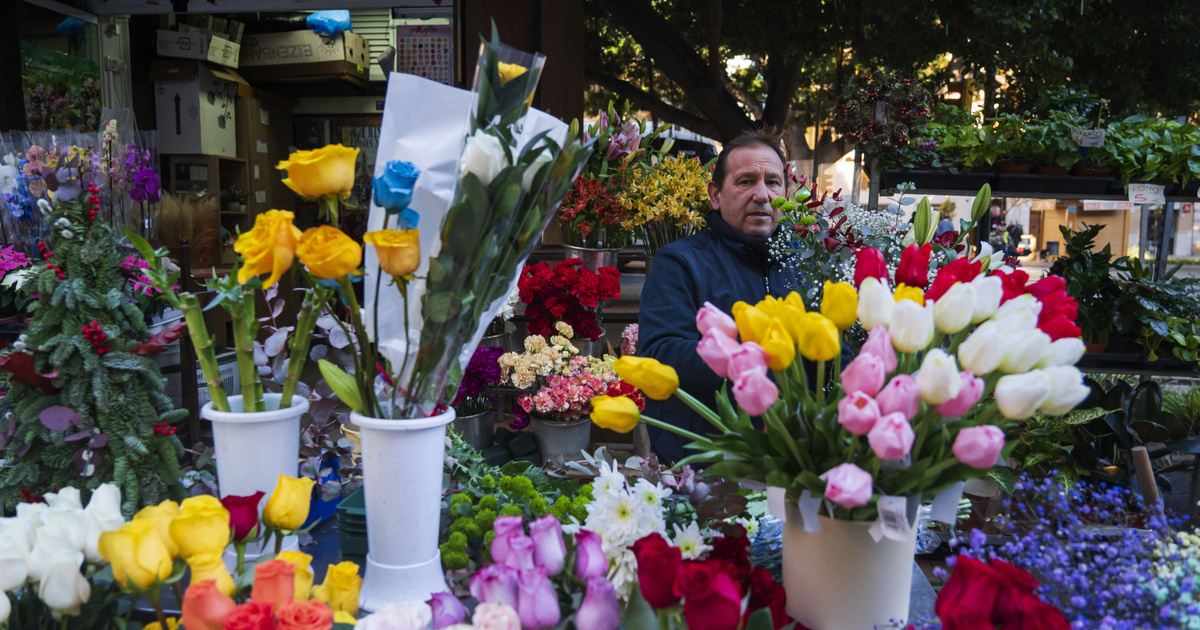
719, 265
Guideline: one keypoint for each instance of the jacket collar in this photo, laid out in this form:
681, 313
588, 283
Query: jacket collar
758, 245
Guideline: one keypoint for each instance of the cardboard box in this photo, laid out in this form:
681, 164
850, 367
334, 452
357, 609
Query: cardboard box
304, 47
198, 45
194, 105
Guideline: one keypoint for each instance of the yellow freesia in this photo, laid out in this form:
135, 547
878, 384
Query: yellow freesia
618, 413
840, 304
325, 171
656, 380
269, 247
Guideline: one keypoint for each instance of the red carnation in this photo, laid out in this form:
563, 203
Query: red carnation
765, 592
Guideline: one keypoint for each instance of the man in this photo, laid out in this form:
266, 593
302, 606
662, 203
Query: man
727, 263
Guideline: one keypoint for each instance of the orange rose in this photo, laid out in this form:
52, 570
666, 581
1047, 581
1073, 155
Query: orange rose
205, 606
250, 616
304, 615
274, 582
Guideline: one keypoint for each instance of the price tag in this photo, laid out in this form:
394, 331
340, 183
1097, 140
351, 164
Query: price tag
1088, 137
892, 522
260, 196
263, 116
809, 506
1147, 194
255, 169
945, 504
776, 498
262, 145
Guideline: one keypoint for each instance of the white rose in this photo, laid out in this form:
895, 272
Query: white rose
63, 588
14, 565
67, 497
1019, 395
496, 617
987, 292
484, 156
912, 326
98, 523
1068, 390
400, 616
938, 380
543, 158
5, 608
50, 541
106, 499
952, 312
21, 531
73, 521
875, 304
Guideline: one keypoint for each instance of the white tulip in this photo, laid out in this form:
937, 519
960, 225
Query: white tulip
484, 155
875, 304
66, 498
73, 521
952, 312
938, 380
912, 326
983, 349
1065, 351
105, 499
1069, 390
1019, 395
5, 607
98, 523
987, 291
541, 160
1018, 314
14, 565
62, 587
51, 539
1023, 350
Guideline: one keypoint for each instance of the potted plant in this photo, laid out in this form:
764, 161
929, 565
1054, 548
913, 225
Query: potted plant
1058, 151
475, 404
567, 292
1090, 280
1016, 143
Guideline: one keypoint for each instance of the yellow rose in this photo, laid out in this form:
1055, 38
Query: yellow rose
340, 588
161, 516
399, 251
138, 556
751, 323
325, 171
905, 292
618, 413
211, 566
201, 527
342, 616
328, 252
840, 304
269, 247
819, 338
781, 350
510, 71
656, 380
288, 506
302, 564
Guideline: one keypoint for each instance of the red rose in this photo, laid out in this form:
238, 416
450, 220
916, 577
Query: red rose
765, 592
981, 596
251, 616
959, 270
719, 609
696, 577
1014, 283
869, 263
243, 514
914, 266
947, 239
734, 555
658, 566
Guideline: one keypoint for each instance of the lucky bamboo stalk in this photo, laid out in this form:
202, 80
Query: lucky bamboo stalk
243, 340
314, 301
203, 343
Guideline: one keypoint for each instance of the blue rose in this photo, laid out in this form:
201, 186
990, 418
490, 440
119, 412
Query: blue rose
394, 189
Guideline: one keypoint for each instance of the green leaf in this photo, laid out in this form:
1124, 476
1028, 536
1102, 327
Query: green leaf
638, 614
143, 247
760, 620
1003, 477
342, 384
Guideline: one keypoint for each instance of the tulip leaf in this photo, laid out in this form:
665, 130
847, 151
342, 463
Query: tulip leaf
342, 384
638, 614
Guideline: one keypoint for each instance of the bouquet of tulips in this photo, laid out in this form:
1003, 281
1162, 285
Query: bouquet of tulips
923, 406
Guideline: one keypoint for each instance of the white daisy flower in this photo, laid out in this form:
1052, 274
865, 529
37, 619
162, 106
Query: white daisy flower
690, 541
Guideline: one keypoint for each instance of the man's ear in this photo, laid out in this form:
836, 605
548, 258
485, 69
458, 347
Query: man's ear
713, 198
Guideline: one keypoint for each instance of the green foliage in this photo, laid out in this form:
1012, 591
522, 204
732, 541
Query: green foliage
1090, 280
1184, 405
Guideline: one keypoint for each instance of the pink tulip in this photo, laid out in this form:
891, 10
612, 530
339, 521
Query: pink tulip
865, 374
520, 553
713, 318
505, 527
599, 610
495, 584
979, 447
858, 412
715, 348
879, 343
447, 610
589, 556
900, 395
848, 485
537, 603
892, 437
754, 391
749, 356
969, 393
549, 552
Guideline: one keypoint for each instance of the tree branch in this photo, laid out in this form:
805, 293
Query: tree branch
784, 76
747, 99
716, 73
644, 100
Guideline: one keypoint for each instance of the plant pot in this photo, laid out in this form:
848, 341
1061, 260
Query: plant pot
1084, 171
589, 348
402, 489
841, 579
592, 258
477, 429
252, 450
1008, 166
560, 441
1095, 348
1043, 169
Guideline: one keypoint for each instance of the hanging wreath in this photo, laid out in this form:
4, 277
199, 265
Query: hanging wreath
906, 111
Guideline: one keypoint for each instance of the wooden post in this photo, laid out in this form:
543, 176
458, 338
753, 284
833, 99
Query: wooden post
856, 181
873, 199
1145, 475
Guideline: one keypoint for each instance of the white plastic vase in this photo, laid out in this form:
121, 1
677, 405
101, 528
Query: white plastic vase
841, 579
402, 487
252, 450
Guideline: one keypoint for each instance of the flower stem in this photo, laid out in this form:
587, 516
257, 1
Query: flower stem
306, 321
278, 542
821, 384
700, 408
240, 547
329, 205
364, 347
178, 588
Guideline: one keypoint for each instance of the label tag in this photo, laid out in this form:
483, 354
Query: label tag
945, 504
255, 169
809, 506
892, 522
262, 145
1088, 137
1147, 193
776, 499
260, 196
263, 116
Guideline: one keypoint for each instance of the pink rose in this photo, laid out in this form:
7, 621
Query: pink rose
848, 485
858, 412
715, 348
754, 391
549, 552
537, 603
496, 584
865, 374
749, 356
599, 610
506, 527
879, 343
892, 437
520, 552
979, 447
491, 616
589, 556
969, 393
447, 610
712, 318
900, 395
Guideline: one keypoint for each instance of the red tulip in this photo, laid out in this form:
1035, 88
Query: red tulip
914, 266
243, 515
959, 270
869, 263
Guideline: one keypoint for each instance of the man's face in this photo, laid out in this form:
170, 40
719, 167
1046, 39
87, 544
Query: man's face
753, 177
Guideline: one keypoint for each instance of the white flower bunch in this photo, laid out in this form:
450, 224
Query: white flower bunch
622, 515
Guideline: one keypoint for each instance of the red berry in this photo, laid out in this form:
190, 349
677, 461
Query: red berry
49, 265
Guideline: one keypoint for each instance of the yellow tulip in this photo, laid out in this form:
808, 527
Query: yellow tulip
137, 555
790, 317
840, 304
161, 516
781, 350
342, 616
341, 587
793, 299
769, 306
269, 247
399, 251
737, 308
819, 338
328, 252
201, 527
656, 380
751, 323
172, 624
618, 413
288, 506
302, 563
905, 292
325, 171
211, 566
